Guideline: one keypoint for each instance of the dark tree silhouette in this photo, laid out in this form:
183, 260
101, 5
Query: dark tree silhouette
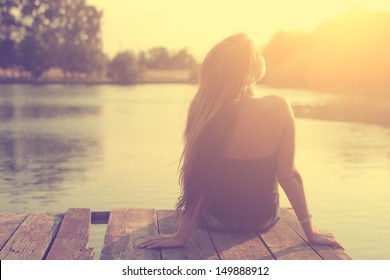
37, 35
124, 68
34, 56
9, 33
81, 43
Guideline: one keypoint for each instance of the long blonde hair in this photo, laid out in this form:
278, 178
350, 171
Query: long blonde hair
228, 71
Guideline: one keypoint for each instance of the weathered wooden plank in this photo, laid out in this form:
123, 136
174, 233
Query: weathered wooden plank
126, 227
9, 223
100, 217
71, 242
33, 238
239, 246
198, 247
285, 244
324, 251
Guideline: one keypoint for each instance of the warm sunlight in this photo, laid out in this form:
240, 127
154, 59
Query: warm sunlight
263, 126
197, 25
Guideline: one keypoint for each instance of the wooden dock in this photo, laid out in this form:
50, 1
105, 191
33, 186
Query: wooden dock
65, 236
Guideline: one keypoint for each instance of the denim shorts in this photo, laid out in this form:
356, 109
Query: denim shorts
209, 221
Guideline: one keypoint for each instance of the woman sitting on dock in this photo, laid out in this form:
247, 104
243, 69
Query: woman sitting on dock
237, 148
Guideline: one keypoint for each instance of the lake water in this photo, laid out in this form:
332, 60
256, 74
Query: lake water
105, 147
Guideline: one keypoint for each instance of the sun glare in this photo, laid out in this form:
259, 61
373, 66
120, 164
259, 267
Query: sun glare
197, 25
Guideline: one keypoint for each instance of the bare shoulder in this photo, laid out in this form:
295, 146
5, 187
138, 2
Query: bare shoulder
273, 109
274, 100
275, 103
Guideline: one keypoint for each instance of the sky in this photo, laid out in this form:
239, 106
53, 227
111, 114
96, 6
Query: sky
198, 24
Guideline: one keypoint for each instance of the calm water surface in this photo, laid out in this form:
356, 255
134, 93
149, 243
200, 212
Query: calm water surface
105, 147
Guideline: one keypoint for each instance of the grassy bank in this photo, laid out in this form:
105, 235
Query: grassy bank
362, 109
166, 76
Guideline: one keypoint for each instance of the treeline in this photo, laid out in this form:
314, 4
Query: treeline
42, 34
128, 67
39, 35
348, 52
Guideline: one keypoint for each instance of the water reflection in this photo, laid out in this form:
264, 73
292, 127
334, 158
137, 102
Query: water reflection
10, 111
36, 166
108, 147
40, 159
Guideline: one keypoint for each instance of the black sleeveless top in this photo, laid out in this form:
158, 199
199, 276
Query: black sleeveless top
246, 191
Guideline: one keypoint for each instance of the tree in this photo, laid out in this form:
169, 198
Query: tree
80, 41
9, 29
182, 60
142, 61
33, 56
40, 34
124, 68
161, 58
35, 38
8, 54
158, 58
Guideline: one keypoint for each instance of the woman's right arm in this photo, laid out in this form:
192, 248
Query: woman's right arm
182, 234
291, 181
177, 239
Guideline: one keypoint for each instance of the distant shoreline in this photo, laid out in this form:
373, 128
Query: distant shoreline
184, 77
148, 77
92, 83
362, 106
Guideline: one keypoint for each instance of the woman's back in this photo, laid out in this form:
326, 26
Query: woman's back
246, 191
258, 130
